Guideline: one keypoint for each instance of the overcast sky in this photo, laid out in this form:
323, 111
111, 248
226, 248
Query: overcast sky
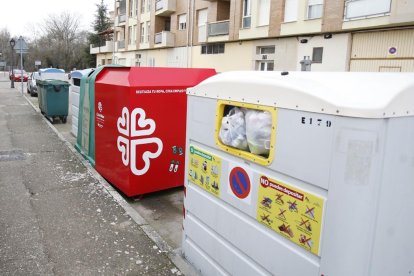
22, 17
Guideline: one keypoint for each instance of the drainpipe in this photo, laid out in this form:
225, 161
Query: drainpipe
191, 33
188, 31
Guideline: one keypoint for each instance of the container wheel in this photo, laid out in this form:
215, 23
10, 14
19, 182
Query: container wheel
63, 118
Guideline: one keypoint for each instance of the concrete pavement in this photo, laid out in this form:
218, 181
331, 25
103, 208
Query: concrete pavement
56, 216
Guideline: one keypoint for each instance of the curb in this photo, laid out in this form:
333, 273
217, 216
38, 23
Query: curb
174, 255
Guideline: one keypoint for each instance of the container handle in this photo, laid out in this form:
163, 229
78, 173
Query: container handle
57, 87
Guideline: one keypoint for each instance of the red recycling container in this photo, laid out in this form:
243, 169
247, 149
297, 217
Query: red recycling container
140, 125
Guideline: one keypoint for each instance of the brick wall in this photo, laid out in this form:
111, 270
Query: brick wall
333, 15
277, 10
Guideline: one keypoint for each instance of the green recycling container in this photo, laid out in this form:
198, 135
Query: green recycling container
54, 98
85, 140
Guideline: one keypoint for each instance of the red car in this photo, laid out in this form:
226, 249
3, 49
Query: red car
17, 74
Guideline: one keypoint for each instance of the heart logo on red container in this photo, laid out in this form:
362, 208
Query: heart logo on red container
133, 127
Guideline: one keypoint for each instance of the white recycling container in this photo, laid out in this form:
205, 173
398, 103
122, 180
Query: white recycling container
300, 173
75, 84
52, 74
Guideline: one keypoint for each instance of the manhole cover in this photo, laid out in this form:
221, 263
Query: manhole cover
12, 155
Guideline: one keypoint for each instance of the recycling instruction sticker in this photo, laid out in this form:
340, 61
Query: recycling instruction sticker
291, 212
204, 170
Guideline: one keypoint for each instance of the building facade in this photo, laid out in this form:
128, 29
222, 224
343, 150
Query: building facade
337, 35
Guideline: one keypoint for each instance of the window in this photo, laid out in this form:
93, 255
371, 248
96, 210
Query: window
142, 32
315, 9
122, 7
264, 12
265, 65
265, 50
291, 10
134, 33
148, 5
130, 35
365, 8
148, 31
135, 7
317, 55
131, 8
142, 6
182, 22
138, 60
246, 14
211, 49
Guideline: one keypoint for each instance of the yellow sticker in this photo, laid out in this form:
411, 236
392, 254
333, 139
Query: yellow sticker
204, 170
291, 212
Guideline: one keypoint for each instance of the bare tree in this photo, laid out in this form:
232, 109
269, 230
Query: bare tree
60, 34
5, 49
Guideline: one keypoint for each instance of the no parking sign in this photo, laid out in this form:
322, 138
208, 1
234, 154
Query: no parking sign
239, 183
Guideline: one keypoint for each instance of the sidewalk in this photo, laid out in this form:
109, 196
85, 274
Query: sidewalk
56, 217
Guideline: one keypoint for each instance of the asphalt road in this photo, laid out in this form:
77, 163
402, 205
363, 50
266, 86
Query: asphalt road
57, 217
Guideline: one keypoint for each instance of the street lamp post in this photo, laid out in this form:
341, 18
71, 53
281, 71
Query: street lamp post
20, 42
12, 43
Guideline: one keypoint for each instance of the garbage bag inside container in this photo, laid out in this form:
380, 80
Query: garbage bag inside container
258, 131
233, 129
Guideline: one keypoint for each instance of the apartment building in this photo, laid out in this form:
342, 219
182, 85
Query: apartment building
337, 35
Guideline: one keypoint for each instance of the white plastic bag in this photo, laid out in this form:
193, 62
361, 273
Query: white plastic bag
233, 129
258, 131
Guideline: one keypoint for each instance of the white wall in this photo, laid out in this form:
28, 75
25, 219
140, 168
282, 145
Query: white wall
242, 55
335, 52
237, 56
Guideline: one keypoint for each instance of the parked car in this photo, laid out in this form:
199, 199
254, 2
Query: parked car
31, 84
17, 74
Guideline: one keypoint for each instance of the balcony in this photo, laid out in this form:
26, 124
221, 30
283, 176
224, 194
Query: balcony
218, 28
120, 45
120, 20
104, 47
165, 7
164, 39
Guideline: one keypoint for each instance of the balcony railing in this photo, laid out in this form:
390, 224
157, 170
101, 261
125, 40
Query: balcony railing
158, 38
247, 20
103, 47
164, 39
165, 7
100, 44
218, 28
121, 19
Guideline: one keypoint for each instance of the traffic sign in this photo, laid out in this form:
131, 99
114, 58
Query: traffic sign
239, 182
392, 50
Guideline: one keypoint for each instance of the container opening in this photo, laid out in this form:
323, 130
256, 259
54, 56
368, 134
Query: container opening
76, 82
246, 130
